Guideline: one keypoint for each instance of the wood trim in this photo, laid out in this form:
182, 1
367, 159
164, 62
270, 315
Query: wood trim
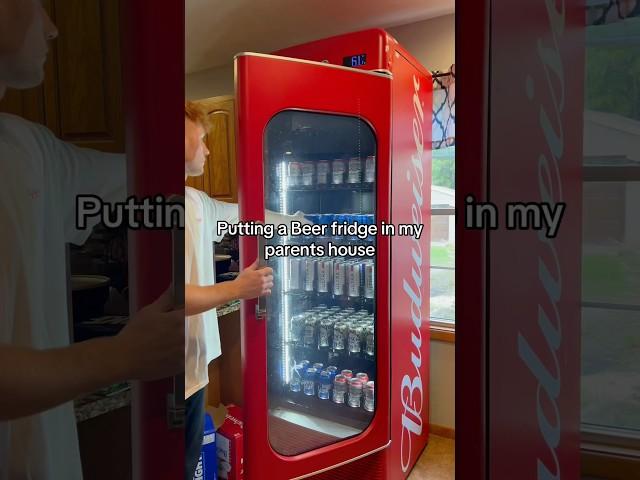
609, 453
441, 431
443, 334
610, 465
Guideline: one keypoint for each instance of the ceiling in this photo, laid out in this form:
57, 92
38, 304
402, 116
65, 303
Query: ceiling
218, 29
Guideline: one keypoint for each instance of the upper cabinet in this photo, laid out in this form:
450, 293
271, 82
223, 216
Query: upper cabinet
219, 179
80, 99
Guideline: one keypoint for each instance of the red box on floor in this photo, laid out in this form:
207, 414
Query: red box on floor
229, 438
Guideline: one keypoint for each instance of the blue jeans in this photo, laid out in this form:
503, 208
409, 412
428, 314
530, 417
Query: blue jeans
193, 432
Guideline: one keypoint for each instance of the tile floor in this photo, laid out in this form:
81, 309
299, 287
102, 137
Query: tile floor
437, 461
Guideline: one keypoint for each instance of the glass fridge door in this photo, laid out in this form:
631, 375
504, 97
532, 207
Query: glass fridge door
321, 336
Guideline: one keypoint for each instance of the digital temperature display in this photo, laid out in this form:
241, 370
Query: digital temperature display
355, 60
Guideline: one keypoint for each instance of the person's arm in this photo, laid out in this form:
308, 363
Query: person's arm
151, 346
251, 283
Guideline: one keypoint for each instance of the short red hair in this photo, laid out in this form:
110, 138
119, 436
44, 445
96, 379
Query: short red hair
196, 114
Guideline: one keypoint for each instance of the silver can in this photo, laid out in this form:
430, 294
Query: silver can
322, 172
325, 333
370, 341
325, 274
295, 273
309, 266
308, 170
309, 335
370, 169
294, 173
369, 280
340, 334
355, 170
354, 340
354, 277
339, 277
337, 171
297, 327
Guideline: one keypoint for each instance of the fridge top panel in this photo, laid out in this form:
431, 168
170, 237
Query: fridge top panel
372, 49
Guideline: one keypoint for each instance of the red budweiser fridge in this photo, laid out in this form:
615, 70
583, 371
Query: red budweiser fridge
336, 359
154, 152
519, 139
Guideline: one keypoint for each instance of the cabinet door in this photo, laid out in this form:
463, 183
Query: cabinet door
84, 91
81, 96
27, 104
219, 178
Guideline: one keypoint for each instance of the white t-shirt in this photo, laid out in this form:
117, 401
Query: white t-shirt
202, 338
40, 178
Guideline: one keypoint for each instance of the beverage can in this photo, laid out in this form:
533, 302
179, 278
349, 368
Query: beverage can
355, 393
295, 274
322, 172
309, 266
340, 332
294, 177
369, 280
355, 339
295, 385
339, 277
370, 169
325, 274
309, 337
337, 171
339, 389
353, 279
369, 396
297, 327
370, 341
324, 336
309, 382
307, 170
324, 386
348, 374
355, 170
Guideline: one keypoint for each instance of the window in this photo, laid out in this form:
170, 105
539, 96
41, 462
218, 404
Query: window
443, 237
611, 246
443, 208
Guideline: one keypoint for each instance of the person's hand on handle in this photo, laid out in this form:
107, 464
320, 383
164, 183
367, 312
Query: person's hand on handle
254, 282
152, 343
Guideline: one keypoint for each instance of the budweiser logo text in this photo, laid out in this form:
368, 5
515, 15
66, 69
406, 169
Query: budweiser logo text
412, 388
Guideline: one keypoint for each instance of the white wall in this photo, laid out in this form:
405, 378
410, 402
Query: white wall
432, 42
210, 83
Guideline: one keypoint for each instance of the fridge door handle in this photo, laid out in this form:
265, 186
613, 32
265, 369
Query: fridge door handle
175, 399
261, 305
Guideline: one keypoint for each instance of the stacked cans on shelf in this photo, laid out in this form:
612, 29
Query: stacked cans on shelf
294, 173
329, 384
342, 330
341, 218
340, 278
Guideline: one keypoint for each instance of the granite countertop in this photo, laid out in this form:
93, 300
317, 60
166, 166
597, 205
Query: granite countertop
228, 308
103, 401
117, 396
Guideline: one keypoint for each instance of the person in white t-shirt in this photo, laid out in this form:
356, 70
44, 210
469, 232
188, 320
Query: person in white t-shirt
202, 295
40, 373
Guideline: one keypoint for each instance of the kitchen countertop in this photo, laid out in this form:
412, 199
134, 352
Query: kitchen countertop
119, 395
228, 308
103, 401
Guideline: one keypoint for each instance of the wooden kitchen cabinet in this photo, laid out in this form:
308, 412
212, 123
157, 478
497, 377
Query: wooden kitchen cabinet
219, 179
80, 99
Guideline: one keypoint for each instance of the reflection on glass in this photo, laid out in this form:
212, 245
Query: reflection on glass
321, 334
